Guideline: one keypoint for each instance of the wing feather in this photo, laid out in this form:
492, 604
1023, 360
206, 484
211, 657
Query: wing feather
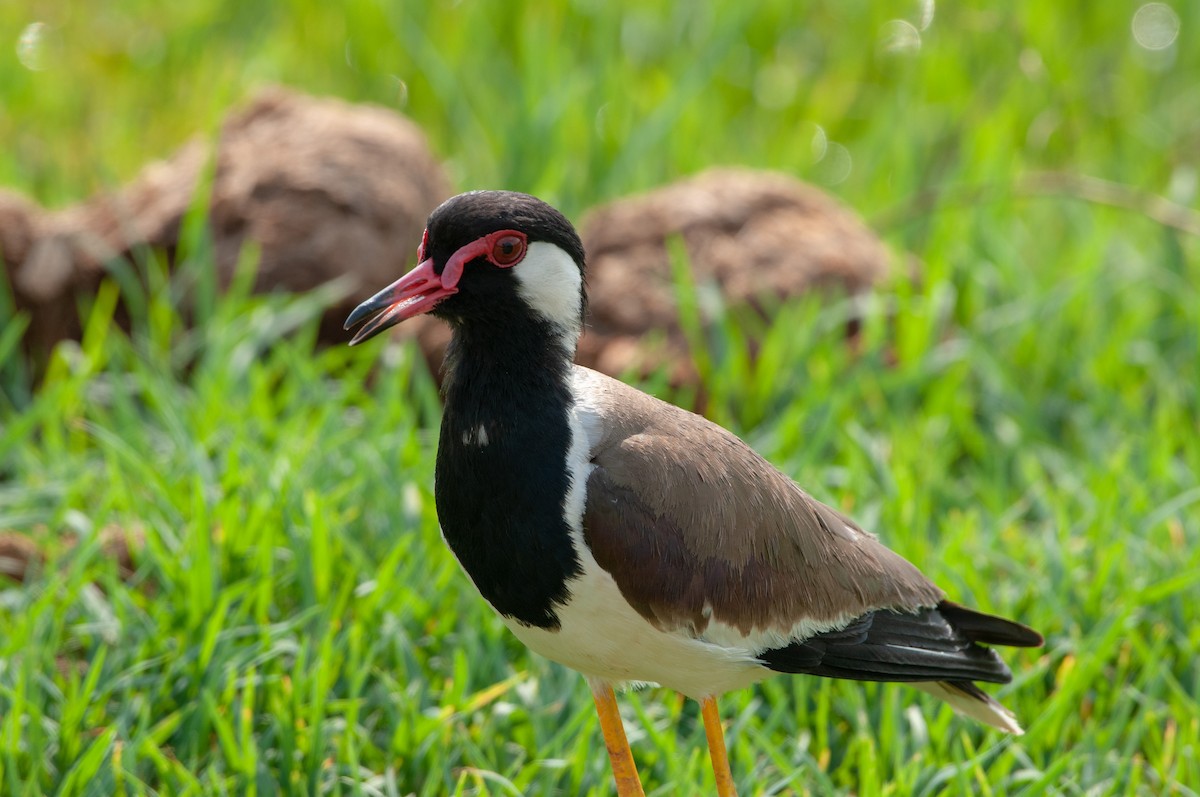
695, 528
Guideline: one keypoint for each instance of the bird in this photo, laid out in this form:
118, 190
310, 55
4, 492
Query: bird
630, 539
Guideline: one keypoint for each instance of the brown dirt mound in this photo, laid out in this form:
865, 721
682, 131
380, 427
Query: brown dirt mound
323, 188
758, 237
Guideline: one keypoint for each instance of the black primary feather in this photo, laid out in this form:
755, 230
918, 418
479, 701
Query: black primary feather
932, 644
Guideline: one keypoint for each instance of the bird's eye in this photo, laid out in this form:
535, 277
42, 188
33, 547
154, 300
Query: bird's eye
507, 250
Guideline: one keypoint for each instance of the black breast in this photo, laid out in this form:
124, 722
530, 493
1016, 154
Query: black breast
502, 476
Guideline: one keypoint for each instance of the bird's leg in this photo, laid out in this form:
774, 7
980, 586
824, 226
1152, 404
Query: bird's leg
624, 771
716, 747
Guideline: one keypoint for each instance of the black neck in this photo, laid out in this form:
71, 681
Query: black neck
520, 354
502, 474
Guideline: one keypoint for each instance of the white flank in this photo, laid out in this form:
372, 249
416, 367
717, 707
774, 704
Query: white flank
586, 429
987, 711
551, 284
763, 639
602, 637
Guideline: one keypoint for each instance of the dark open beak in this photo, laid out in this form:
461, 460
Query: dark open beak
416, 292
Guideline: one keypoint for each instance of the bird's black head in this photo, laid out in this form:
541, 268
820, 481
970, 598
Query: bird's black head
485, 256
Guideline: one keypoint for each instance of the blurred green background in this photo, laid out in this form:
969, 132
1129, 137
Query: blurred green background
1026, 429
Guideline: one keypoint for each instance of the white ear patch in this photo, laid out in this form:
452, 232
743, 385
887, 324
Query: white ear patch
550, 283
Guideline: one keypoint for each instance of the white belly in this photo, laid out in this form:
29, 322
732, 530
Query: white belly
603, 637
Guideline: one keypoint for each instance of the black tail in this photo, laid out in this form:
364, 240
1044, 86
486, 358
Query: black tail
931, 644
988, 629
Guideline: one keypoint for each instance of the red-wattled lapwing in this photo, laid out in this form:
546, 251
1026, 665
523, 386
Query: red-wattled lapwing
632, 540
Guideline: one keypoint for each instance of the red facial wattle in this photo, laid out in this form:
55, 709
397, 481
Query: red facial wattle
421, 289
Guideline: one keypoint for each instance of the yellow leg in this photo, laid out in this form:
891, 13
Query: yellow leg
624, 771
716, 747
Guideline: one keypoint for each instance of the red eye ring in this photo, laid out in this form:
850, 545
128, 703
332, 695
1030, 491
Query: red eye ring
507, 249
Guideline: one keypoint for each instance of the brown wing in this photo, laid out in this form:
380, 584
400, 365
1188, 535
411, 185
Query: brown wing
693, 524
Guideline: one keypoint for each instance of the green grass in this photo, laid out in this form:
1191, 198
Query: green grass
1023, 423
